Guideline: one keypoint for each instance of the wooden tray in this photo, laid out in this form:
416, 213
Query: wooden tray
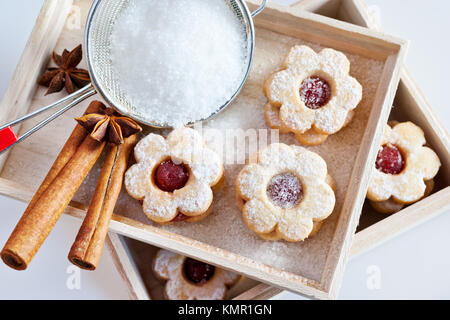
376, 63
374, 229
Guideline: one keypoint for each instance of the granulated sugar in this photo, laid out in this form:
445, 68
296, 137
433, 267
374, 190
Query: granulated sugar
178, 60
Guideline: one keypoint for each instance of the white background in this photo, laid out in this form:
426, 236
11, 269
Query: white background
414, 265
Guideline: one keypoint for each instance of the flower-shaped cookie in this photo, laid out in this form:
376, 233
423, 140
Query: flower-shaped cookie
403, 165
285, 193
313, 91
189, 279
174, 176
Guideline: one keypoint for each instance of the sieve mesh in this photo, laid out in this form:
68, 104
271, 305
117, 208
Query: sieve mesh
99, 27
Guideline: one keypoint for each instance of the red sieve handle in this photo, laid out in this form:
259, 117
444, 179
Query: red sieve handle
7, 138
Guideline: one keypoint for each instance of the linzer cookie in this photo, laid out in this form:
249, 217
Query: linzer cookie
285, 193
313, 96
174, 176
189, 279
405, 168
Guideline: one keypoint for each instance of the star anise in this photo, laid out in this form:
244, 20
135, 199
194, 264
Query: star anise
66, 74
108, 125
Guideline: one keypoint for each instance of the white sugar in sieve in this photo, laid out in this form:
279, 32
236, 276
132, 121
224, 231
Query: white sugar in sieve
99, 27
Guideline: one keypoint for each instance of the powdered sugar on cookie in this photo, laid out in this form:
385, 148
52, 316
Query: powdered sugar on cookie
184, 147
313, 91
420, 164
300, 197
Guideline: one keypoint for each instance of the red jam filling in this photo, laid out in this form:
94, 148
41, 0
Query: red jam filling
180, 217
285, 190
198, 272
170, 176
390, 160
315, 92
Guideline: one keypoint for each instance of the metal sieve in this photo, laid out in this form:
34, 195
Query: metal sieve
99, 26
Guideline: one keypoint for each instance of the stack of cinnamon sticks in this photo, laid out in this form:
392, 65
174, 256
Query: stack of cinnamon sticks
69, 170
88, 245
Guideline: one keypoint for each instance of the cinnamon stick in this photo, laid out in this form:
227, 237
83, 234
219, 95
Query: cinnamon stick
54, 194
66, 153
87, 248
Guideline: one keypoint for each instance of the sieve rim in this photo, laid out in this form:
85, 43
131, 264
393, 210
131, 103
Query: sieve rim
139, 117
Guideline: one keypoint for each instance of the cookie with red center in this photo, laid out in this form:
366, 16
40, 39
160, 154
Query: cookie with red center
189, 279
285, 192
174, 177
314, 94
198, 272
390, 160
404, 168
170, 176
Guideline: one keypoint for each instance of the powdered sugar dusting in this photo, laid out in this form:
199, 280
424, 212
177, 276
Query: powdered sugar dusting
313, 89
182, 145
408, 185
285, 173
315, 92
285, 190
